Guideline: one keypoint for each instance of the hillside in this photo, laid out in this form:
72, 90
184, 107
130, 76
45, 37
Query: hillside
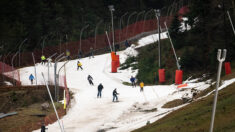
197, 115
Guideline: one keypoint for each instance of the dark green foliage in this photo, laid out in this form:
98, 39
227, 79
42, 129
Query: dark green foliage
210, 31
175, 27
147, 64
129, 63
54, 19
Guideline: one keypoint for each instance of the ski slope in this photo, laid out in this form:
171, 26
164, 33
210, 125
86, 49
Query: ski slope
90, 114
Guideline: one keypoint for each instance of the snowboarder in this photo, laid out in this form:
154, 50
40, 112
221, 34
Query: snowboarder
43, 127
43, 59
115, 95
79, 64
68, 55
100, 88
127, 44
89, 78
141, 86
31, 78
91, 53
132, 79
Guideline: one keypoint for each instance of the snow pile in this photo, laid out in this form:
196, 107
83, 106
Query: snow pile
184, 25
150, 39
130, 51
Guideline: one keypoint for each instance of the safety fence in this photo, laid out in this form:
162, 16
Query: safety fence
98, 43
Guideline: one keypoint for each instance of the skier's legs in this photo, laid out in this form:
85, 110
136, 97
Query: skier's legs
91, 83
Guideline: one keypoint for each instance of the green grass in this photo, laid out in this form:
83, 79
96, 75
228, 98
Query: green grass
196, 116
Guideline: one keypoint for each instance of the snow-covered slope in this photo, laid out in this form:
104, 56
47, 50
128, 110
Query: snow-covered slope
89, 113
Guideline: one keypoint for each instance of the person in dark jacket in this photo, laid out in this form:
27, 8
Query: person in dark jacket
132, 79
31, 78
43, 127
127, 44
89, 78
115, 98
100, 88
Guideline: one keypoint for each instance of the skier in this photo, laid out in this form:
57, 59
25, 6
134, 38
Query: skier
141, 86
31, 78
115, 95
79, 64
43, 127
127, 44
89, 78
100, 88
43, 59
132, 79
91, 53
68, 55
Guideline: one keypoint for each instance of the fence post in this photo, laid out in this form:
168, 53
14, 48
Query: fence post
35, 71
217, 85
62, 130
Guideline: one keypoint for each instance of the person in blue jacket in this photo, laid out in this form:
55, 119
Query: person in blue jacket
31, 78
132, 79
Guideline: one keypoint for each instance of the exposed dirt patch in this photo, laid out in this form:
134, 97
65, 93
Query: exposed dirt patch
26, 101
173, 103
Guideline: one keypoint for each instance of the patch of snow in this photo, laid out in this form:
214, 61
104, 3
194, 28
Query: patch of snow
150, 39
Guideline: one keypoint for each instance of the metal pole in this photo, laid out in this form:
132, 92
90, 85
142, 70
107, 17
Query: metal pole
96, 31
60, 44
231, 22
145, 17
217, 85
128, 21
20, 47
81, 36
58, 91
35, 72
48, 69
157, 13
58, 119
55, 66
111, 8
109, 41
177, 63
13, 66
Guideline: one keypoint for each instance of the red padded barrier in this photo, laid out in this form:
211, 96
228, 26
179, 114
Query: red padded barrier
118, 61
161, 74
114, 66
227, 68
178, 76
113, 55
